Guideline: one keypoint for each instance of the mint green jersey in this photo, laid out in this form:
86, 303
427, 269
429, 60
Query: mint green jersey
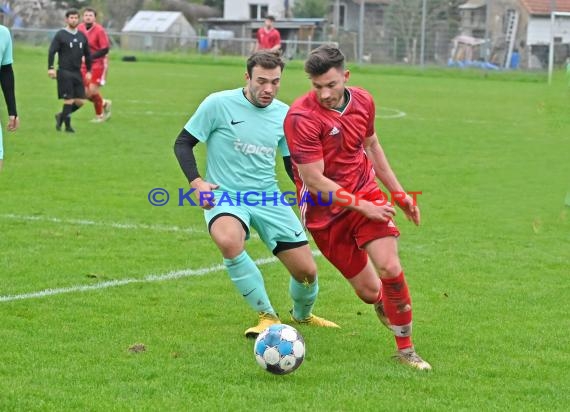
242, 140
5, 58
5, 47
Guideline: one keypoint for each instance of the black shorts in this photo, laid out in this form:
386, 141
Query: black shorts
70, 85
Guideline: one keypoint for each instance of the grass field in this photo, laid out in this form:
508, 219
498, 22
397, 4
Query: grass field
80, 243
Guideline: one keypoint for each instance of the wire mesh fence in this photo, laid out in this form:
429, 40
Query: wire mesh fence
368, 38
133, 43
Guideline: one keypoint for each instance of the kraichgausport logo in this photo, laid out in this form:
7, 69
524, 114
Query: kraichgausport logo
188, 197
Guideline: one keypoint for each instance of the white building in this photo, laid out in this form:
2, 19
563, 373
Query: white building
157, 31
257, 9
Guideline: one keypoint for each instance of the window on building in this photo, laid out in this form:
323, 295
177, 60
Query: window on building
378, 17
258, 11
341, 14
478, 33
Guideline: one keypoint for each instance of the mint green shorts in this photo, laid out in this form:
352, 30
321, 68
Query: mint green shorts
277, 225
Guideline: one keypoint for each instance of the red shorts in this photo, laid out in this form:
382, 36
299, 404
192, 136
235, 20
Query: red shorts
98, 74
343, 241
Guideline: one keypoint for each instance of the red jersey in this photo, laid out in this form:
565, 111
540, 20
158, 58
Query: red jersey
268, 39
97, 38
316, 133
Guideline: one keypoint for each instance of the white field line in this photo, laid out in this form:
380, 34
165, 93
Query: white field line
389, 113
115, 225
114, 283
382, 112
386, 113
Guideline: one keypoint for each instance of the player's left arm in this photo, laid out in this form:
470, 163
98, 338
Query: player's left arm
284, 149
386, 175
7, 83
289, 167
103, 43
277, 46
87, 55
100, 53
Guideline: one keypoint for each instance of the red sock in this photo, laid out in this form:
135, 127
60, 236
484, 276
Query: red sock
398, 308
98, 102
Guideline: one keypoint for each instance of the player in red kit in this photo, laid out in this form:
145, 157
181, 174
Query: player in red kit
99, 48
268, 37
337, 158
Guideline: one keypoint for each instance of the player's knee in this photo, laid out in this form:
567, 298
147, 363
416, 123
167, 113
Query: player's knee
306, 272
368, 294
391, 269
309, 272
230, 246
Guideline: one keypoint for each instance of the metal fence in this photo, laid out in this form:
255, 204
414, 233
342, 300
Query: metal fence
133, 43
383, 48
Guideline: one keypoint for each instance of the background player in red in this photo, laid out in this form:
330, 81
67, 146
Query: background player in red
99, 48
268, 37
333, 145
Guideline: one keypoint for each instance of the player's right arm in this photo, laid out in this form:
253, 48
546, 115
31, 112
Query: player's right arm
312, 175
53, 49
184, 151
303, 137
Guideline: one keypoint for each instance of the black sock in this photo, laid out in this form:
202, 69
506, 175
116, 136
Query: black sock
67, 110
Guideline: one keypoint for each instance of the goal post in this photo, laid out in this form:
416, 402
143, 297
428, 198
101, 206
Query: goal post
557, 29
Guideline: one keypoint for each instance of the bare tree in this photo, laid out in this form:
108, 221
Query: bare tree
216, 4
310, 8
121, 10
36, 13
192, 12
404, 18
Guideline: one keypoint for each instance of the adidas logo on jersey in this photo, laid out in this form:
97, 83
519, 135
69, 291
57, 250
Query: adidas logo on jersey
334, 131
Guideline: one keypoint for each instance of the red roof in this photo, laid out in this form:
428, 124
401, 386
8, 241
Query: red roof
543, 6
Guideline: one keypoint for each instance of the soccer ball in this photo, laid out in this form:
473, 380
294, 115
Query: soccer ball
279, 349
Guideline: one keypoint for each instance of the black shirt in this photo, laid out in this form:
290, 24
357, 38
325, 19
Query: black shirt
71, 47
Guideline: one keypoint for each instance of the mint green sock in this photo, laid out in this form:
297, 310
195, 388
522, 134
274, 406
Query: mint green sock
304, 296
248, 280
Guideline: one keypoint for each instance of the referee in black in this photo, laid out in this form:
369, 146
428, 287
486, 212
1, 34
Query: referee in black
71, 47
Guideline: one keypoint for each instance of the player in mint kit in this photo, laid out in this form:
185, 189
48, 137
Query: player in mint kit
243, 130
7, 84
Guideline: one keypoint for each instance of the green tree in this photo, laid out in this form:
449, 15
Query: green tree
310, 8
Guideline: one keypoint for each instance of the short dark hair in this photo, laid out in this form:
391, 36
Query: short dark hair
71, 12
324, 58
266, 59
270, 18
91, 9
